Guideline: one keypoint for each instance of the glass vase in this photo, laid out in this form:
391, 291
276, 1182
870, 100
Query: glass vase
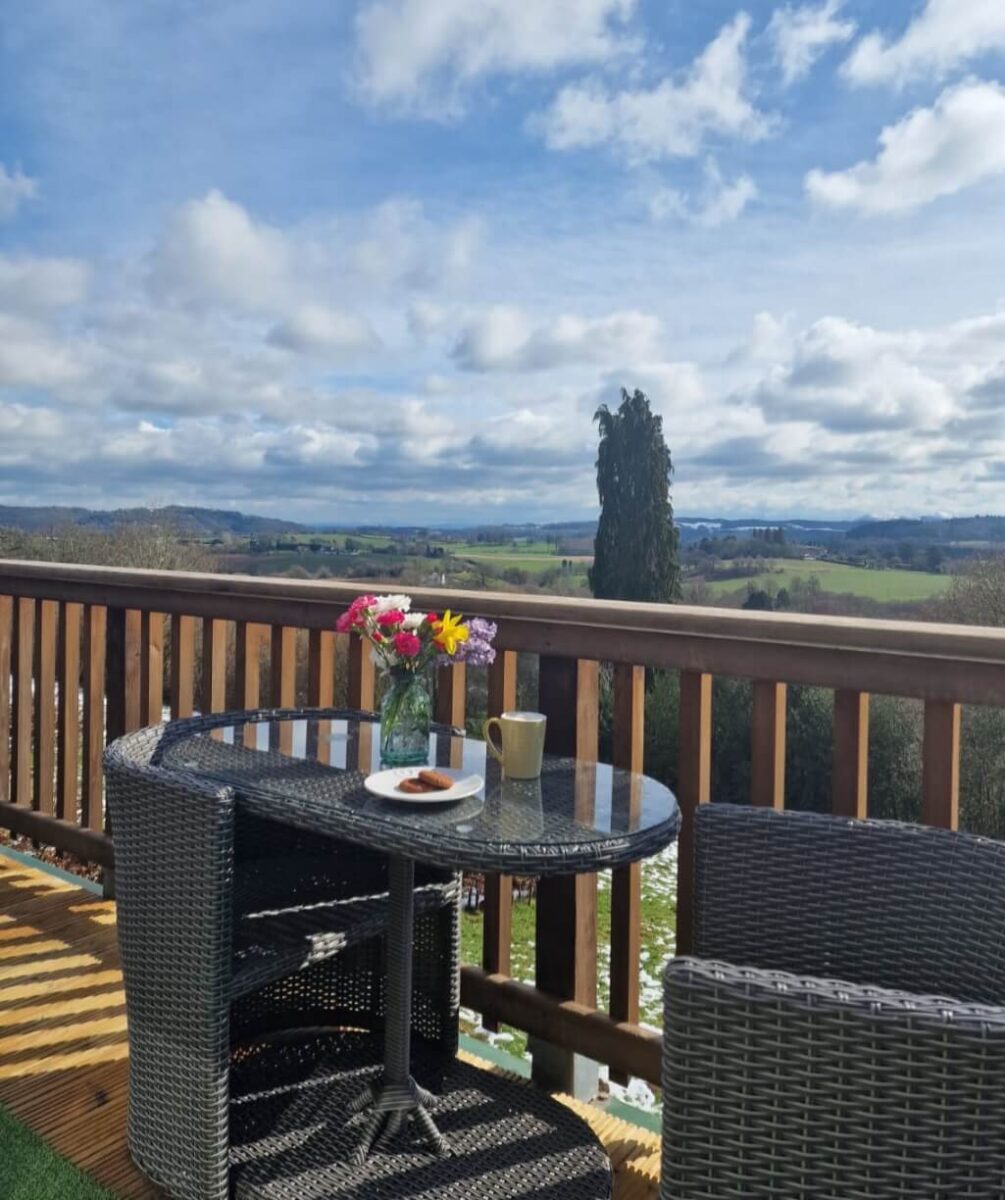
406, 712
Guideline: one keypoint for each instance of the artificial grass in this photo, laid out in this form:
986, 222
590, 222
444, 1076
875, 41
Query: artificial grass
29, 1170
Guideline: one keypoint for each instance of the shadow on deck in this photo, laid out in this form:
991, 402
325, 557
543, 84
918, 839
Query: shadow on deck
63, 1045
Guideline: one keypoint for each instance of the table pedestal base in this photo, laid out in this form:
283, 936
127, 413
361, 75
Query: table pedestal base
391, 1105
397, 1098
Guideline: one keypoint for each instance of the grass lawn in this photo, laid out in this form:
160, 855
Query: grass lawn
30, 1171
524, 562
889, 585
659, 917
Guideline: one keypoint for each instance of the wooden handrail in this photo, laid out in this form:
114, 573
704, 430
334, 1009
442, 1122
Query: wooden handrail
904, 658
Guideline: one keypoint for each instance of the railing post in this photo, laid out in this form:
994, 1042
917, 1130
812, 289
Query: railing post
152, 668
116, 701
21, 693
247, 674
70, 616
497, 914
626, 882
320, 690
851, 754
767, 759
6, 644
283, 683
566, 917
940, 780
46, 626
182, 665
694, 787
363, 695
92, 777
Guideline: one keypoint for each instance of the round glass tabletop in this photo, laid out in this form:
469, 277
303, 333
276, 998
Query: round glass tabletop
309, 771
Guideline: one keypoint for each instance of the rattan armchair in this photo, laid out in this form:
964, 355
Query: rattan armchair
841, 1033
236, 932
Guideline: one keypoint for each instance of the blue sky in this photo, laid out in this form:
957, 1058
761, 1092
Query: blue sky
381, 261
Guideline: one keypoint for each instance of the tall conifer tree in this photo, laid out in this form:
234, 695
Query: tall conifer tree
635, 553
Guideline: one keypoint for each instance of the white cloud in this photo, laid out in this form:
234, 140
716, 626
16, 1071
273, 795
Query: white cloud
719, 201
214, 251
943, 36
398, 245
15, 188
932, 152
801, 35
422, 54
326, 332
850, 378
670, 120
29, 284
504, 339
32, 356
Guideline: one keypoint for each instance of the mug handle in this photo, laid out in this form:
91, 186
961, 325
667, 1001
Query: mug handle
495, 751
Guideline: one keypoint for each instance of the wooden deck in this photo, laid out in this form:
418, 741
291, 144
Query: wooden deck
63, 1045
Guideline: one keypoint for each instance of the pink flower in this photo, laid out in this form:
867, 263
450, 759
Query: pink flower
361, 603
432, 618
344, 623
393, 616
407, 644
379, 638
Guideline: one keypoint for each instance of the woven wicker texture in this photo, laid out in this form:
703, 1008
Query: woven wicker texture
292, 1141
787, 1071
232, 927
583, 817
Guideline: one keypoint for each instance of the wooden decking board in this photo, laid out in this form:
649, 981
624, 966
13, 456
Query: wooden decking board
63, 1045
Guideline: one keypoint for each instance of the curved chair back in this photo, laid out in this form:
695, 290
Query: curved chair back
899, 906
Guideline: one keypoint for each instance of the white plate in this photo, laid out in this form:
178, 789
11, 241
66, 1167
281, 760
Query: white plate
385, 783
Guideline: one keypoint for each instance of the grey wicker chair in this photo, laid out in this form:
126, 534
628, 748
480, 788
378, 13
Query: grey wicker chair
235, 933
842, 1034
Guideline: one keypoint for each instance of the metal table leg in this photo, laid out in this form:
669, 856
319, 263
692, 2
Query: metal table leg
397, 1097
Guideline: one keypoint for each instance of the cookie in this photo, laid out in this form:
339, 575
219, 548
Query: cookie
436, 780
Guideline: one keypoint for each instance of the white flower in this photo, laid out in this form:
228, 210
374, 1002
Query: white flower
413, 621
385, 604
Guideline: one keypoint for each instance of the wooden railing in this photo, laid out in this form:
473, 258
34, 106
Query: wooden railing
126, 642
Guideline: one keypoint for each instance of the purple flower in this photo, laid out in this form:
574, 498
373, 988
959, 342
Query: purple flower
477, 650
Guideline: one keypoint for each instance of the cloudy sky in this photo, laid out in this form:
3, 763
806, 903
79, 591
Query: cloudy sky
381, 261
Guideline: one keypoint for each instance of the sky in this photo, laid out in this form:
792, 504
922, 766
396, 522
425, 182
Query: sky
380, 262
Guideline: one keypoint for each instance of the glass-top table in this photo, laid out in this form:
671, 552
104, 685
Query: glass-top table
579, 816
307, 769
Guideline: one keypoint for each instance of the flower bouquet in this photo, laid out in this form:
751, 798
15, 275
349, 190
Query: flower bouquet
404, 645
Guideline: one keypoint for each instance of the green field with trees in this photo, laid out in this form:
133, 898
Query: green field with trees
884, 584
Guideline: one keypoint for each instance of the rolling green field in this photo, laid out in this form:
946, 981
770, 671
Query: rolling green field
884, 585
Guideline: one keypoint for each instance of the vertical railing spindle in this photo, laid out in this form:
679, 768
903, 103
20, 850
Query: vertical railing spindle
92, 778
182, 666
851, 754
44, 733
6, 647
940, 763
497, 913
320, 689
566, 915
283, 683
21, 692
152, 668
694, 787
70, 616
767, 760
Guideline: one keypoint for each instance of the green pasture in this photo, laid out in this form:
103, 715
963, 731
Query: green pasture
890, 586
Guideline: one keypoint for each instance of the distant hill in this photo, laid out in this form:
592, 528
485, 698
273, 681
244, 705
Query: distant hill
932, 529
195, 522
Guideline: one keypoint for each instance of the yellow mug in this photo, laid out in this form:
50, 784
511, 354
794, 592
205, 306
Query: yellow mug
521, 735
